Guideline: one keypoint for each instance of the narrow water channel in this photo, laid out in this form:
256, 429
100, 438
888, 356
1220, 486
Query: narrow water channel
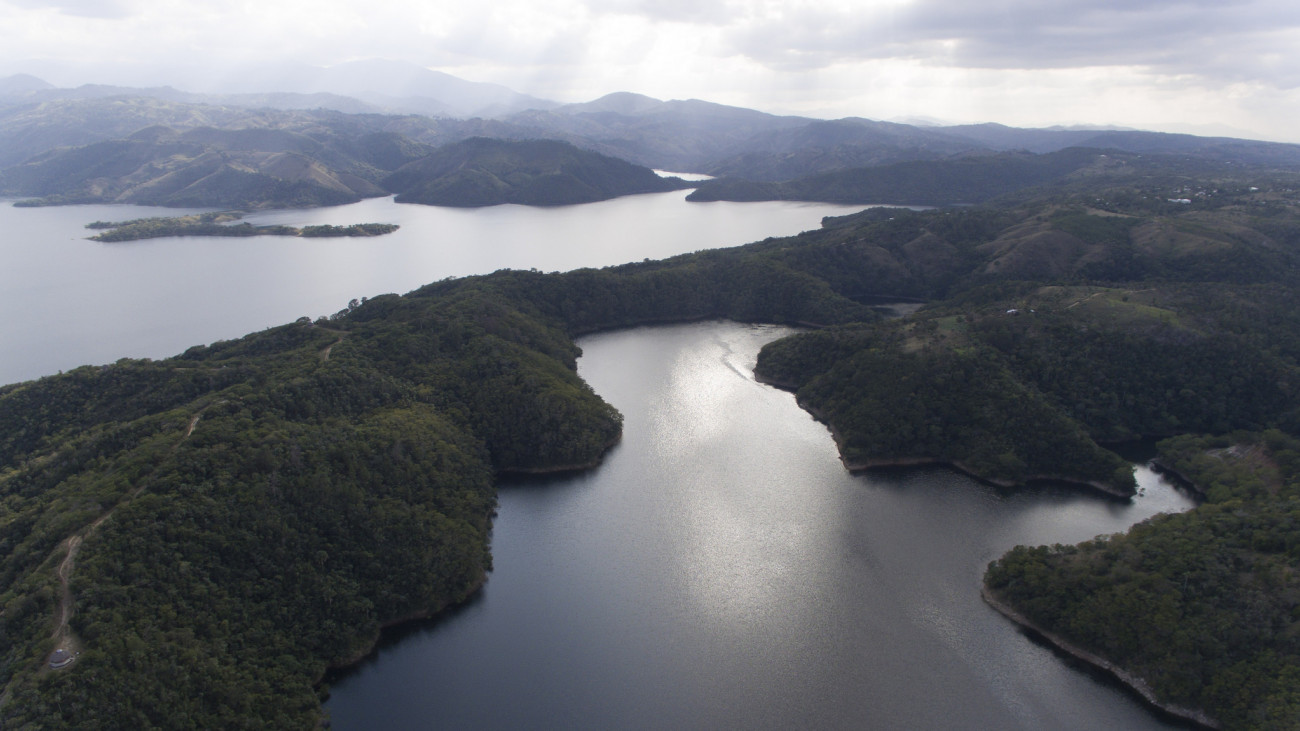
722, 570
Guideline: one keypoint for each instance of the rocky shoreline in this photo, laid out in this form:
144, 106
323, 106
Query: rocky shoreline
924, 461
565, 468
367, 648
1178, 478
1132, 681
887, 462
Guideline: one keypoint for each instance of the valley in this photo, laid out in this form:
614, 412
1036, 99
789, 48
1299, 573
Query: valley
345, 471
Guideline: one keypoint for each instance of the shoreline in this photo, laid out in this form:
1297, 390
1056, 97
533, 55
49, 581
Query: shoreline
959, 467
565, 468
889, 462
371, 644
1178, 478
581, 332
1130, 680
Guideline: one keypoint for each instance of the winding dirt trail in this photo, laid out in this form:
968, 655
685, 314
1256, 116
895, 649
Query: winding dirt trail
65, 638
325, 352
64, 611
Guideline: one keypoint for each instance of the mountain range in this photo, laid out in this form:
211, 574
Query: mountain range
343, 107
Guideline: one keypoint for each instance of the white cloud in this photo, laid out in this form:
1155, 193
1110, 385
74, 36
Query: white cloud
80, 8
1228, 40
1016, 61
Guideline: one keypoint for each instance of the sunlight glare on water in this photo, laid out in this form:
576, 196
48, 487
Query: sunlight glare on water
721, 569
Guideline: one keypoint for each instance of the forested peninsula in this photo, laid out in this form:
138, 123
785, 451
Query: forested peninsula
212, 531
488, 172
1197, 610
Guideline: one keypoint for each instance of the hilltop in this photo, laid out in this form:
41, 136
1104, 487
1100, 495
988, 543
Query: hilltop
485, 172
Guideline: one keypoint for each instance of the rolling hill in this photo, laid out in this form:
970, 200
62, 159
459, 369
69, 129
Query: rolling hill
485, 172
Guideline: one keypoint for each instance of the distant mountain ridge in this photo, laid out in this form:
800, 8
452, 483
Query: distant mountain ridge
205, 166
760, 156
970, 179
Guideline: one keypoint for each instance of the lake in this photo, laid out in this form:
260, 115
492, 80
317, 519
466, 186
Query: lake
722, 570
73, 302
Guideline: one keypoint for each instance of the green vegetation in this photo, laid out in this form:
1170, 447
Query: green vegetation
222, 224
352, 230
891, 402
487, 172
249, 513
267, 505
1200, 605
226, 524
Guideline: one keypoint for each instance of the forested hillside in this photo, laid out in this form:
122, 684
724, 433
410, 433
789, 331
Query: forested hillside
1199, 606
487, 172
212, 531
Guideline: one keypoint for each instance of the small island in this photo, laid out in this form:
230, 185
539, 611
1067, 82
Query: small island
222, 224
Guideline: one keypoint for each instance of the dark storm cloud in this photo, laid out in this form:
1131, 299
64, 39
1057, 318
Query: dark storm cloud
1223, 40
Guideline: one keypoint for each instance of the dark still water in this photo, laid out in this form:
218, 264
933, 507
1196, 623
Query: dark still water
722, 570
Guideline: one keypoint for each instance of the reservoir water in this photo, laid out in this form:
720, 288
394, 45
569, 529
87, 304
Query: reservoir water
719, 570
722, 570
71, 302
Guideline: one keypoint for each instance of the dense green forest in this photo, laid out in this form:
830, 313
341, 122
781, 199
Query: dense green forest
223, 224
1201, 606
212, 531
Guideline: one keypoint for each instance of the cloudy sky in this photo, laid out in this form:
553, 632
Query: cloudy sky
1212, 66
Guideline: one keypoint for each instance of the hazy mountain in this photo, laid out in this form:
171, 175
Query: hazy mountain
34, 128
673, 135
242, 168
22, 84
619, 102
822, 146
685, 135
391, 86
268, 100
359, 86
1252, 152
922, 182
1001, 137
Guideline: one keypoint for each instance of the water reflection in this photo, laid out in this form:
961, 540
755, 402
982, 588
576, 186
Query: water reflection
86, 302
722, 570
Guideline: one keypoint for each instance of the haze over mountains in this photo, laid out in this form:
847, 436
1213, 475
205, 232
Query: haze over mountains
414, 110
359, 86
